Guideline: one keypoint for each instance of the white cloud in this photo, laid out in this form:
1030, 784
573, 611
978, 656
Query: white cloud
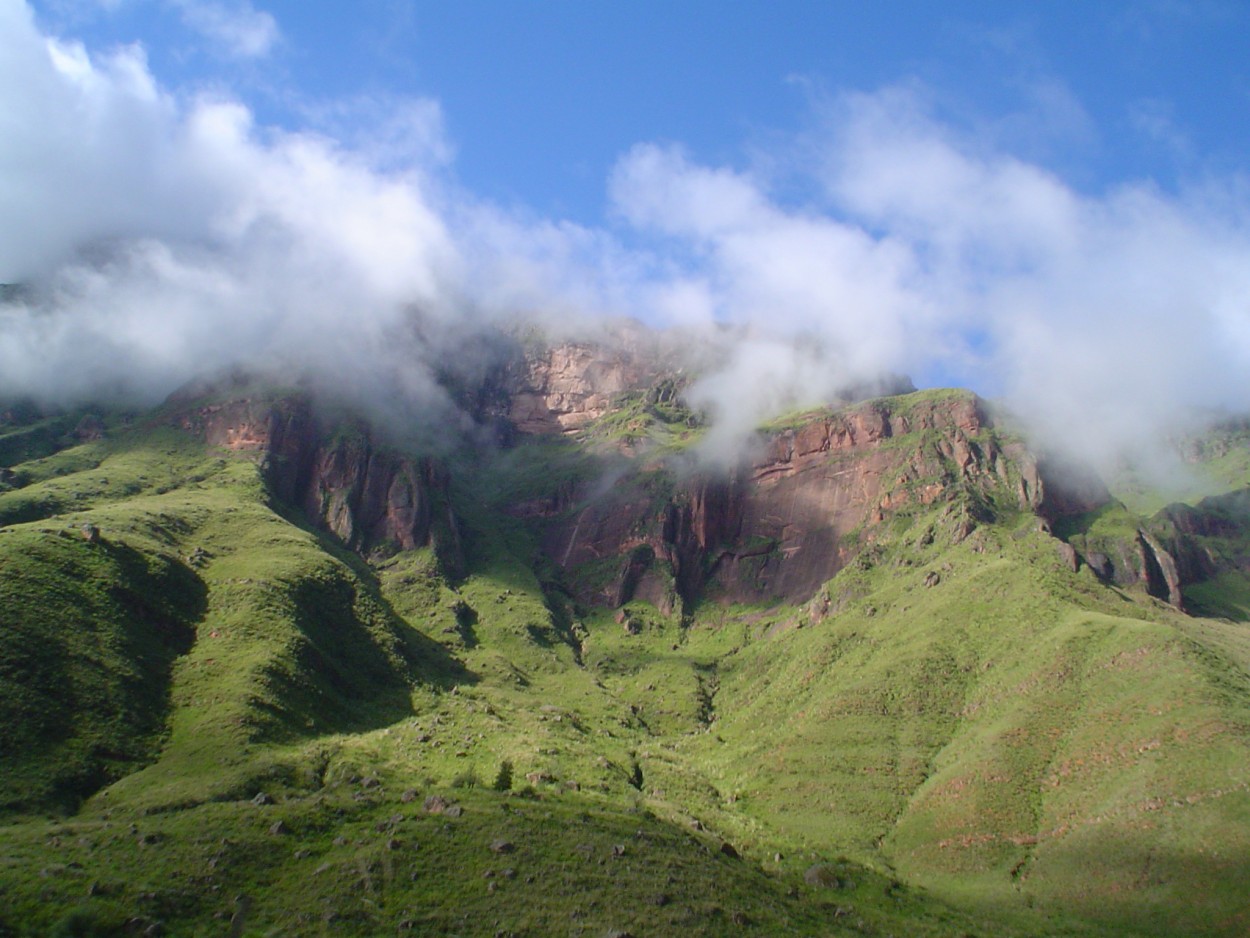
1101, 318
175, 236
238, 28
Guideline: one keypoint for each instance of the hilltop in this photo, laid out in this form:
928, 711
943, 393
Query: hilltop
272, 660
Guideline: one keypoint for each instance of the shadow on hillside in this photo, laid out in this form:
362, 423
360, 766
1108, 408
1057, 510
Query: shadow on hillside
1139, 886
88, 672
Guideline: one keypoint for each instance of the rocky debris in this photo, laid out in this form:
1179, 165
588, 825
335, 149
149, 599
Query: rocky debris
389, 824
436, 804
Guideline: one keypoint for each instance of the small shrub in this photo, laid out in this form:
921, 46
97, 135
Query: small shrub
466, 779
503, 778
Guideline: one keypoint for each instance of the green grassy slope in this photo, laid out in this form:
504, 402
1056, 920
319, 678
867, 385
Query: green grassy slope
1012, 737
975, 741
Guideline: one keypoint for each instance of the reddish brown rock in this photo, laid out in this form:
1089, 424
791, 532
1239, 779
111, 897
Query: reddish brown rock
784, 524
370, 496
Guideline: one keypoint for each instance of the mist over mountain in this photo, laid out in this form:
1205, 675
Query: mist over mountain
844, 530
165, 233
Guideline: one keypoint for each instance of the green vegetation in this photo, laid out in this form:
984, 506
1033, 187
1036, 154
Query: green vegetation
215, 718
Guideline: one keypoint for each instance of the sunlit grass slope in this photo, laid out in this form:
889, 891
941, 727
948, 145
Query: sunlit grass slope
216, 720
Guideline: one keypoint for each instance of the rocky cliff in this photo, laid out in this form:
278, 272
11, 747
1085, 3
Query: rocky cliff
564, 387
372, 497
819, 488
817, 493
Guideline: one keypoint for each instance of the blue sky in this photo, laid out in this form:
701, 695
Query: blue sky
1046, 201
541, 98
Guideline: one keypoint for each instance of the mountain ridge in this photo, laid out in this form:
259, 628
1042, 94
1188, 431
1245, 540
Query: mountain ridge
863, 646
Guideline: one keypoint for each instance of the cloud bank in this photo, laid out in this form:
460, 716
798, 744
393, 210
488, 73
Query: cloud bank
167, 235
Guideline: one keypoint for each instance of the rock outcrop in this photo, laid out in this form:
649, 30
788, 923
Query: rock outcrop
371, 497
782, 525
564, 387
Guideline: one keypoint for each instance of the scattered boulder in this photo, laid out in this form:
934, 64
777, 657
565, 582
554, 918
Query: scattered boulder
1069, 556
502, 846
409, 795
90, 533
932, 578
262, 799
823, 876
1101, 565
436, 804
730, 851
278, 828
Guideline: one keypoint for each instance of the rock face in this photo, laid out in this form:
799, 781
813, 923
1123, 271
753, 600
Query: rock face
783, 525
369, 496
563, 388
1192, 543
815, 495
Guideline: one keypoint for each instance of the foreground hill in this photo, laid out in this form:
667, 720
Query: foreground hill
263, 664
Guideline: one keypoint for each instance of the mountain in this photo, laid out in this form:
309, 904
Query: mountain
271, 664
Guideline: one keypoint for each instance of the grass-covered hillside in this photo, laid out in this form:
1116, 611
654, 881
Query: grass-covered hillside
214, 719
